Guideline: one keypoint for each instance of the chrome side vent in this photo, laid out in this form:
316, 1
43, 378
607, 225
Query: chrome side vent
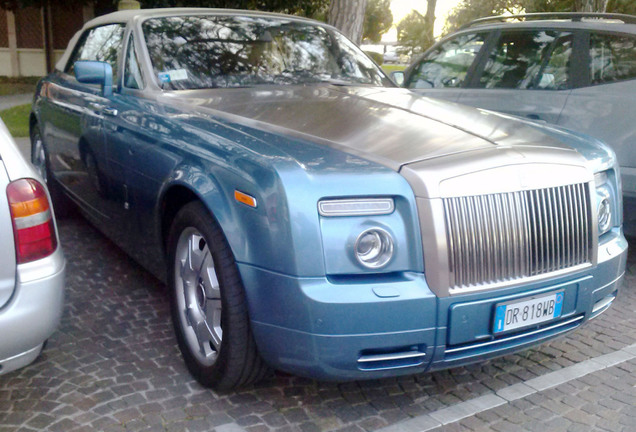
499, 238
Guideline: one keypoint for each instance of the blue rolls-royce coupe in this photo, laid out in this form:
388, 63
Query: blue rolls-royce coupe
308, 215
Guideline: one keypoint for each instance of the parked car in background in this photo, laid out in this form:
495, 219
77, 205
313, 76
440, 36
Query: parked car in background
32, 265
391, 57
576, 70
310, 216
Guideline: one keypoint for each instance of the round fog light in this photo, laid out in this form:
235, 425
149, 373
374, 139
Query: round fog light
604, 215
374, 248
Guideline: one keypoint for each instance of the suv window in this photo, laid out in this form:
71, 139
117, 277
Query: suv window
447, 65
529, 60
98, 44
612, 58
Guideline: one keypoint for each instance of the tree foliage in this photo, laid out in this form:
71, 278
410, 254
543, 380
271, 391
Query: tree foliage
378, 19
468, 10
309, 8
622, 6
413, 33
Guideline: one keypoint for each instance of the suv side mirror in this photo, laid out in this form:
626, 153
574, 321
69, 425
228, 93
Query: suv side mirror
95, 72
397, 77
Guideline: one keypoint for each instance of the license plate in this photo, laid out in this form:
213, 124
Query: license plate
527, 312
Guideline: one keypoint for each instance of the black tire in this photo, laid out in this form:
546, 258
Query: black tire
213, 333
62, 205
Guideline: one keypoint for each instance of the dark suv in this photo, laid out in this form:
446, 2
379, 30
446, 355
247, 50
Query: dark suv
576, 70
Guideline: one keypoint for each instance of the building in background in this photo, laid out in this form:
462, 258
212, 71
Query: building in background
33, 39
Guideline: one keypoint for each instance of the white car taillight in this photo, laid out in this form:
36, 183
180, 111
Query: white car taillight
33, 226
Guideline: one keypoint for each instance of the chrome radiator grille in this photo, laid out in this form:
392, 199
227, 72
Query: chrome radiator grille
502, 237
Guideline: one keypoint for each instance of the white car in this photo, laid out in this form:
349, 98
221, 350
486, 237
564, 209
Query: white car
391, 57
32, 264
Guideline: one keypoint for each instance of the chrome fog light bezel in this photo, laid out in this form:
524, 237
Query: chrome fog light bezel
375, 257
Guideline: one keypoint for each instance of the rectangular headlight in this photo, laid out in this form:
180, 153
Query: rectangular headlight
356, 207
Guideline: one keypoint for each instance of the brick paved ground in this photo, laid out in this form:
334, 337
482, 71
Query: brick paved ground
114, 366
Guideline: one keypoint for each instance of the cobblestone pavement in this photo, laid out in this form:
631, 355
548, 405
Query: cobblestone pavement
114, 366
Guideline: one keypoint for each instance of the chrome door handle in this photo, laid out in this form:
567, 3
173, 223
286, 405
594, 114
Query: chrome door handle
110, 112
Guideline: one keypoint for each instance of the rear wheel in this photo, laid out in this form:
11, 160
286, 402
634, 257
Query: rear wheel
40, 160
209, 309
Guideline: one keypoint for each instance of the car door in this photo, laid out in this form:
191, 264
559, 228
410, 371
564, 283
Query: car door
137, 161
444, 70
73, 114
527, 73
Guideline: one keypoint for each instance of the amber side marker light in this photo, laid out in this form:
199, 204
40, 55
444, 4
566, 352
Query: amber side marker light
244, 198
33, 227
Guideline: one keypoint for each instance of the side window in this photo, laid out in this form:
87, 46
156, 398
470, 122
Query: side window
612, 58
555, 74
448, 64
99, 44
529, 60
132, 71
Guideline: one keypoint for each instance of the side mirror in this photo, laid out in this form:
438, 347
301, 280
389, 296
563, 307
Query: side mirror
95, 72
397, 77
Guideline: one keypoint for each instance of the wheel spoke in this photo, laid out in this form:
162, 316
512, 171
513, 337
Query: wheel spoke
196, 255
210, 280
205, 335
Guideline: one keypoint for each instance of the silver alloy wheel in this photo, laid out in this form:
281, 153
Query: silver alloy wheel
198, 296
39, 156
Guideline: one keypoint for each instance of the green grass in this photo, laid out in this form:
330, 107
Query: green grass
18, 85
17, 120
388, 68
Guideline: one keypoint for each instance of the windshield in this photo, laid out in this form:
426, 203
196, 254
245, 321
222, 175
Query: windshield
193, 52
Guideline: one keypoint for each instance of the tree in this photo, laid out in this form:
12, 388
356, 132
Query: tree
415, 32
310, 8
348, 17
378, 19
429, 21
469, 10
622, 6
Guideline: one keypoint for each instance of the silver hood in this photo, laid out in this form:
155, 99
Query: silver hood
395, 128
390, 126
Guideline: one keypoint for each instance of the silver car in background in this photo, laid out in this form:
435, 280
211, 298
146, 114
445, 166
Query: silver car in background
32, 266
575, 70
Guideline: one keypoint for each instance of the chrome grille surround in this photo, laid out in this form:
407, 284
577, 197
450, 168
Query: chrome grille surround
498, 239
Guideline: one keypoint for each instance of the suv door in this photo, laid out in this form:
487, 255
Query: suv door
604, 107
443, 71
525, 73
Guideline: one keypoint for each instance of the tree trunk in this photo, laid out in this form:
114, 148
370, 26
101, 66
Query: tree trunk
429, 19
590, 5
348, 17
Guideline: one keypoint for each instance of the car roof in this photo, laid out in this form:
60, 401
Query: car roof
126, 16
133, 15
589, 21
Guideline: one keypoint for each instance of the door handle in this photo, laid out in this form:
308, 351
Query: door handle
110, 112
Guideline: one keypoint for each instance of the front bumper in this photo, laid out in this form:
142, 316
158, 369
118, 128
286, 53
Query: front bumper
33, 313
374, 327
